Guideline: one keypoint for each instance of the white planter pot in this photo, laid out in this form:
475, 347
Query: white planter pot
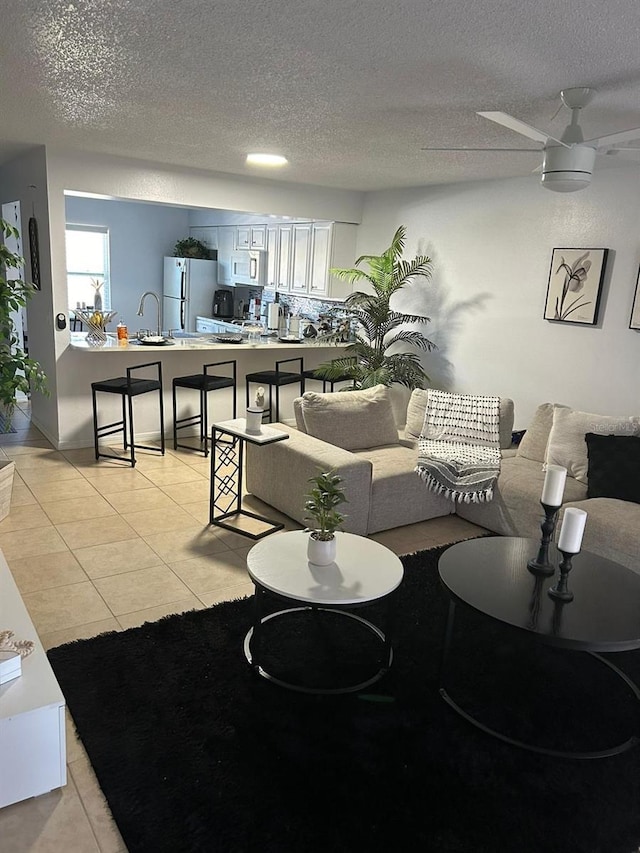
321, 552
254, 420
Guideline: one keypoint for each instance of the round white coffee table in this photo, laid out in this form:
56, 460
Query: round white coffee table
363, 572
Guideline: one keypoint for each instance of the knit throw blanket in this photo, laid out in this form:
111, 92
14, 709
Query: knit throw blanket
459, 448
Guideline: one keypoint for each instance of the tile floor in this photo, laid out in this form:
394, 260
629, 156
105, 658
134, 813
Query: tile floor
97, 547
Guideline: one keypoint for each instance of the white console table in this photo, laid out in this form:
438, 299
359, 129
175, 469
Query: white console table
33, 757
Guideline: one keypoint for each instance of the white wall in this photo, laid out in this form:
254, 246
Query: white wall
24, 179
491, 244
140, 235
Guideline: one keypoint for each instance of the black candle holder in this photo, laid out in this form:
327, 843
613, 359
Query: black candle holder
560, 591
540, 564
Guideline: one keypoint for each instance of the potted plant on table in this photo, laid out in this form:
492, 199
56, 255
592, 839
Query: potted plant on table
374, 357
18, 372
320, 504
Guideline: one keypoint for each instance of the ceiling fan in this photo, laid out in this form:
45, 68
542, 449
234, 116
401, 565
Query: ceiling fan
568, 162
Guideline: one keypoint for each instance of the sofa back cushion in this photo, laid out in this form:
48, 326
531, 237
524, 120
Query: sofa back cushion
567, 440
534, 442
614, 466
353, 420
418, 404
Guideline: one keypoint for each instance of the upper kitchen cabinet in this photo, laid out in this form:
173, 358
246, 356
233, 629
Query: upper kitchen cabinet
226, 245
300, 257
279, 240
324, 246
251, 237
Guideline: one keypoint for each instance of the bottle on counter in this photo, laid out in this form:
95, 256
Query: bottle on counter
122, 332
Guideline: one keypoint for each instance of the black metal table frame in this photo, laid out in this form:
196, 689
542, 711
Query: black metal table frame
632, 741
231, 452
253, 640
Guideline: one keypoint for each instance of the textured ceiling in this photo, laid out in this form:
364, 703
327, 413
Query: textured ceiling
348, 90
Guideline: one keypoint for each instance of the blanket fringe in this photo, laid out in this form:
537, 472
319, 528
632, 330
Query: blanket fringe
482, 496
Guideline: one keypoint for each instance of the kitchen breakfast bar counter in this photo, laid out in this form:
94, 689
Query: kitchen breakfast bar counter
85, 363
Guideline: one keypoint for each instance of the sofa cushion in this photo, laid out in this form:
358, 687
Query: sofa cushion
353, 420
614, 467
418, 404
398, 495
567, 445
611, 530
515, 509
534, 442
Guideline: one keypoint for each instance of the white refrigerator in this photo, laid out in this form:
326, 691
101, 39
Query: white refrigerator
189, 285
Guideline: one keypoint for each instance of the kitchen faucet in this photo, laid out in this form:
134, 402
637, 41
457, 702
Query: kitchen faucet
141, 307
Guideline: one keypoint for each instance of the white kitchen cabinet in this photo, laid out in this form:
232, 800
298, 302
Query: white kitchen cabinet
226, 247
283, 269
333, 244
258, 238
251, 237
243, 237
209, 326
273, 255
33, 757
300, 256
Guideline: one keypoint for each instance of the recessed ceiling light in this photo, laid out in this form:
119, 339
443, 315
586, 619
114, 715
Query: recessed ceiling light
266, 159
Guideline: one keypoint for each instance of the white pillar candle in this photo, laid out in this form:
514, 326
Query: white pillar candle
553, 488
573, 523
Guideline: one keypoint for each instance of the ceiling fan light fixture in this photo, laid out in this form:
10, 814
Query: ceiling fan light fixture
567, 170
273, 160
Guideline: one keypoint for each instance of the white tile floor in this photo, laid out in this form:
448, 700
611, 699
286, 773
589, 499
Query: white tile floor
98, 547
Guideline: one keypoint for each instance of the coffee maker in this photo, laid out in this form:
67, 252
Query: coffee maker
223, 304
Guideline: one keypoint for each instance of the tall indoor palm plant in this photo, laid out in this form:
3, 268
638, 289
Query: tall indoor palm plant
18, 372
369, 360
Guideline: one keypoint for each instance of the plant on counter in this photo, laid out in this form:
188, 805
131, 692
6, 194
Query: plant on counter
320, 504
374, 359
191, 248
18, 372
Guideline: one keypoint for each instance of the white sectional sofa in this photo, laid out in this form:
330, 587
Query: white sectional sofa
353, 434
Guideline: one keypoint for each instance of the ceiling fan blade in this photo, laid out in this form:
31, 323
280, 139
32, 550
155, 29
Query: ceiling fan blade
520, 127
614, 138
624, 153
528, 150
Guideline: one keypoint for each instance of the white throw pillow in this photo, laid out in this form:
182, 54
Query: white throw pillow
353, 420
567, 445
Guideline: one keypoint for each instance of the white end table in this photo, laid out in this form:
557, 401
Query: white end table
227, 458
364, 572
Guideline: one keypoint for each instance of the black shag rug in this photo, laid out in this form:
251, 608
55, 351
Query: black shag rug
194, 752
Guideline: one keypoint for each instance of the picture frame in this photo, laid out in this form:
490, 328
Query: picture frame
575, 285
634, 320
34, 253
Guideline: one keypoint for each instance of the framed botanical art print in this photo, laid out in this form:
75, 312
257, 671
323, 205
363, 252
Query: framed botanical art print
575, 285
634, 322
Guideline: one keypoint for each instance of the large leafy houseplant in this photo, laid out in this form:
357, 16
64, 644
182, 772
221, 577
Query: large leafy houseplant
18, 372
374, 358
191, 248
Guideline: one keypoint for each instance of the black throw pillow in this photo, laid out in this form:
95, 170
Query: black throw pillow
614, 466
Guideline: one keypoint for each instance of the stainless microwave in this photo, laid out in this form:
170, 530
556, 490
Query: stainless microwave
249, 267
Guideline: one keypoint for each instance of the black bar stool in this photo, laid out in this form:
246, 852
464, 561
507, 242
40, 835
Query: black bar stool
202, 382
311, 374
276, 378
127, 387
